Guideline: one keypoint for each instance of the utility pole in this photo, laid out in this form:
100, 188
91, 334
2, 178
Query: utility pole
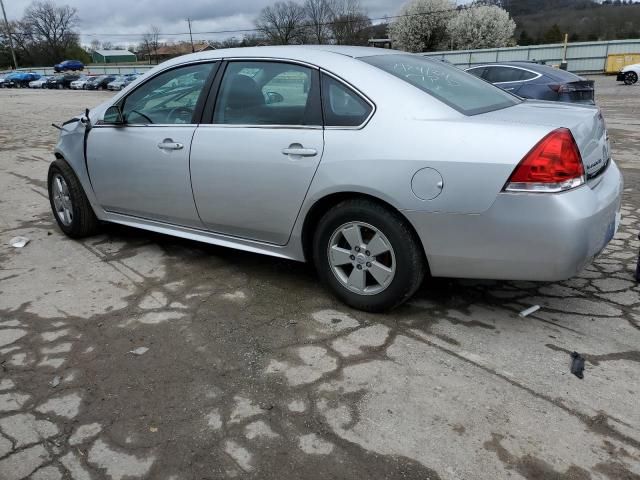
6, 23
191, 36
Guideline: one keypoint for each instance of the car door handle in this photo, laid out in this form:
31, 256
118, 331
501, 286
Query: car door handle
300, 152
168, 144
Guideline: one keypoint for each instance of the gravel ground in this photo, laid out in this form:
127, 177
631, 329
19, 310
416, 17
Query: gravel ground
134, 355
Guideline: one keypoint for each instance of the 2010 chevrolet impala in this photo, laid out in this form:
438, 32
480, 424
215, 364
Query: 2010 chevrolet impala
378, 166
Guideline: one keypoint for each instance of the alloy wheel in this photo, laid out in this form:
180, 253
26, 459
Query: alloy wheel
62, 200
630, 78
361, 258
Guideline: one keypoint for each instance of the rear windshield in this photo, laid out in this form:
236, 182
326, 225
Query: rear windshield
460, 90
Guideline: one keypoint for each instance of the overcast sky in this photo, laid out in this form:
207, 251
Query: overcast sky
130, 18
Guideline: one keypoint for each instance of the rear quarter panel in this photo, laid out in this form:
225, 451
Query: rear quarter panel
474, 158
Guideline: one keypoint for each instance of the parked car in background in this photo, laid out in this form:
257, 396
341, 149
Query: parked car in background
122, 81
2, 77
62, 81
20, 79
376, 180
81, 83
69, 65
629, 74
40, 83
533, 80
100, 82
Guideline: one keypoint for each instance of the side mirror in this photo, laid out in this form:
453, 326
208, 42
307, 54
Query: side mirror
113, 116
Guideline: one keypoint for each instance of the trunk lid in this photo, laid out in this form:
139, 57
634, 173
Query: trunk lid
578, 91
585, 122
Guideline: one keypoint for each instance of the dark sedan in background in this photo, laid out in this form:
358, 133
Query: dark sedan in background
62, 81
100, 82
533, 80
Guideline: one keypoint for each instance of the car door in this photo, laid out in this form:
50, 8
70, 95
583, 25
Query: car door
252, 165
138, 156
505, 77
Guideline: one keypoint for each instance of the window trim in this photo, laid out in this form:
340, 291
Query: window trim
354, 90
200, 104
537, 74
214, 94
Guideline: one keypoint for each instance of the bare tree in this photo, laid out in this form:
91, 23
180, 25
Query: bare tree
150, 43
50, 28
107, 45
350, 23
319, 15
95, 44
282, 23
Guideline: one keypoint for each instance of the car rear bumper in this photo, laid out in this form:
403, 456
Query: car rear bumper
547, 237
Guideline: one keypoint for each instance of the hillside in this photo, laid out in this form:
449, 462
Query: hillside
582, 20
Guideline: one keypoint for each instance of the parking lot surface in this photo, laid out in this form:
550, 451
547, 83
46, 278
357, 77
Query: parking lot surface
135, 355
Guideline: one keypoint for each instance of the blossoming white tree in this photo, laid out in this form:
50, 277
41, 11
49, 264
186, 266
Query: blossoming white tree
481, 27
422, 25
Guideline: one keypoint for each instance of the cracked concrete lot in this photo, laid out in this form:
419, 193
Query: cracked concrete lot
132, 355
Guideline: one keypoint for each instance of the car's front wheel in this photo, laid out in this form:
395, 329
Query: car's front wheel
630, 78
69, 203
368, 255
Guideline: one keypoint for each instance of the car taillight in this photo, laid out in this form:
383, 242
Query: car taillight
553, 165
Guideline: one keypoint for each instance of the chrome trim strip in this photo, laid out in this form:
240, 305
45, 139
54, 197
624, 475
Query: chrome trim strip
100, 124
270, 59
290, 127
537, 75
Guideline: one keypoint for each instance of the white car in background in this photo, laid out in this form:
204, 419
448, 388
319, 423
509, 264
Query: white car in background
81, 83
40, 83
629, 74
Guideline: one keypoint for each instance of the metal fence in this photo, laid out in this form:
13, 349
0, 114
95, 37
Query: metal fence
582, 57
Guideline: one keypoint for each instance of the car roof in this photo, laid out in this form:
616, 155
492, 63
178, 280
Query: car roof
554, 73
315, 54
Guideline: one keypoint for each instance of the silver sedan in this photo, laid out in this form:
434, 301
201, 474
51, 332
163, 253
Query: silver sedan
378, 166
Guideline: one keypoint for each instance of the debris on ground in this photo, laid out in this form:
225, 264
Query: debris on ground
529, 311
55, 382
18, 242
577, 365
139, 351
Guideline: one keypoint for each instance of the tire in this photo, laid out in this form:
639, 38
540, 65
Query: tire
630, 78
82, 222
404, 262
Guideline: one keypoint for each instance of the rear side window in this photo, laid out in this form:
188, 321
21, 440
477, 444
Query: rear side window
268, 93
476, 72
465, 93
528, 75
342, 107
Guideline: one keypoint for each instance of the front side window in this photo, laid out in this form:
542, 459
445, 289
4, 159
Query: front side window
342, 106
169, 98
268, 93
459, 90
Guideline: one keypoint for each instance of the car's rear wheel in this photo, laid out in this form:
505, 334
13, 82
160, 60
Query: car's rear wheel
368, 255
69, 203
630, 78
